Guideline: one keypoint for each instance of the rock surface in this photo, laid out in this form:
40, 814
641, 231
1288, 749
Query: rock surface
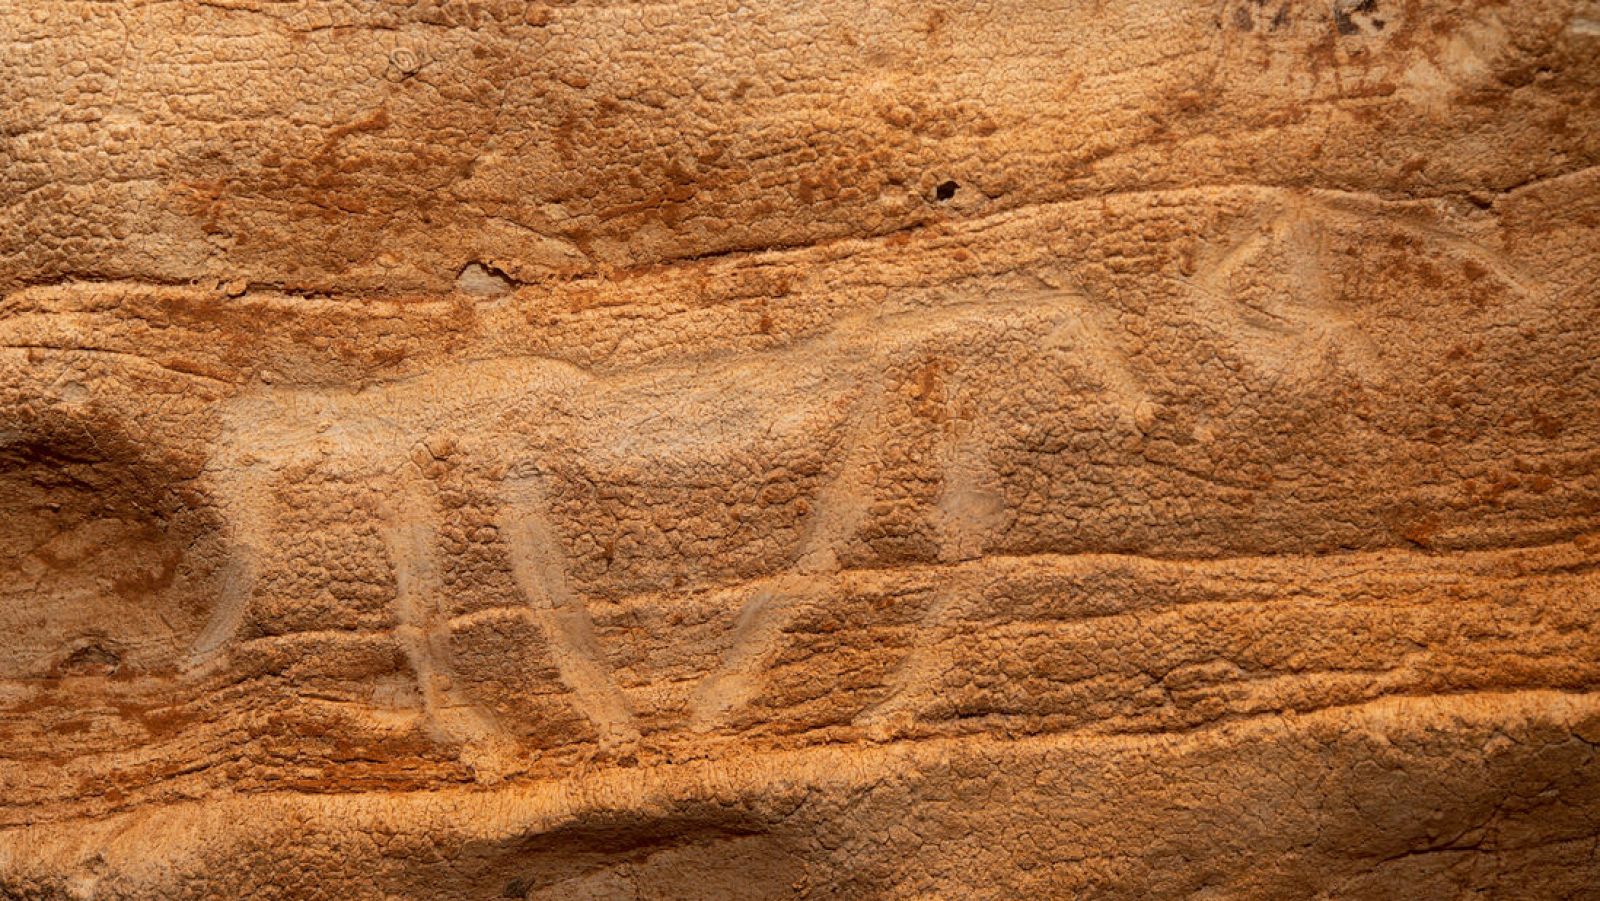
469, 449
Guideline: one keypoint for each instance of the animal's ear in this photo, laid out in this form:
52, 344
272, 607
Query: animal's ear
109, 553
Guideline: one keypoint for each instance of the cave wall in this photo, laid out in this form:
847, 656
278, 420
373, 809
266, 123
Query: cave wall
471, 449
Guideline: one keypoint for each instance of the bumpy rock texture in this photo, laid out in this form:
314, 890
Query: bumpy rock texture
467, 449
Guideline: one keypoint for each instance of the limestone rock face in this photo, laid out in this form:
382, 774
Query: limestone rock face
468, 448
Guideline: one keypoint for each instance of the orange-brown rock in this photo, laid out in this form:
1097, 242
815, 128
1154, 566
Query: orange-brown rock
471, 449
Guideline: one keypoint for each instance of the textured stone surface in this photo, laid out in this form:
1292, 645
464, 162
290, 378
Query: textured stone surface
478, 449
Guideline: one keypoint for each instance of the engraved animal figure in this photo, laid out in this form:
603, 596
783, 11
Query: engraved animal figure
524, 419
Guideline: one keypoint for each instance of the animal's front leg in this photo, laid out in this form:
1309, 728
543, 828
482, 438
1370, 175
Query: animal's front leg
841, 506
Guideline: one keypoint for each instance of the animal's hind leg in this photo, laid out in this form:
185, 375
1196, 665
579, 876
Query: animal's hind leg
249, 532
540, 569
410, 532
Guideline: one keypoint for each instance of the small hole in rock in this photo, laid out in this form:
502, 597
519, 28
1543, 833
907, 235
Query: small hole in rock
92, 660
483, 281
946, 190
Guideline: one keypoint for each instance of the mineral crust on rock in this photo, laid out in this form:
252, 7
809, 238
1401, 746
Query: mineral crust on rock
463, 449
